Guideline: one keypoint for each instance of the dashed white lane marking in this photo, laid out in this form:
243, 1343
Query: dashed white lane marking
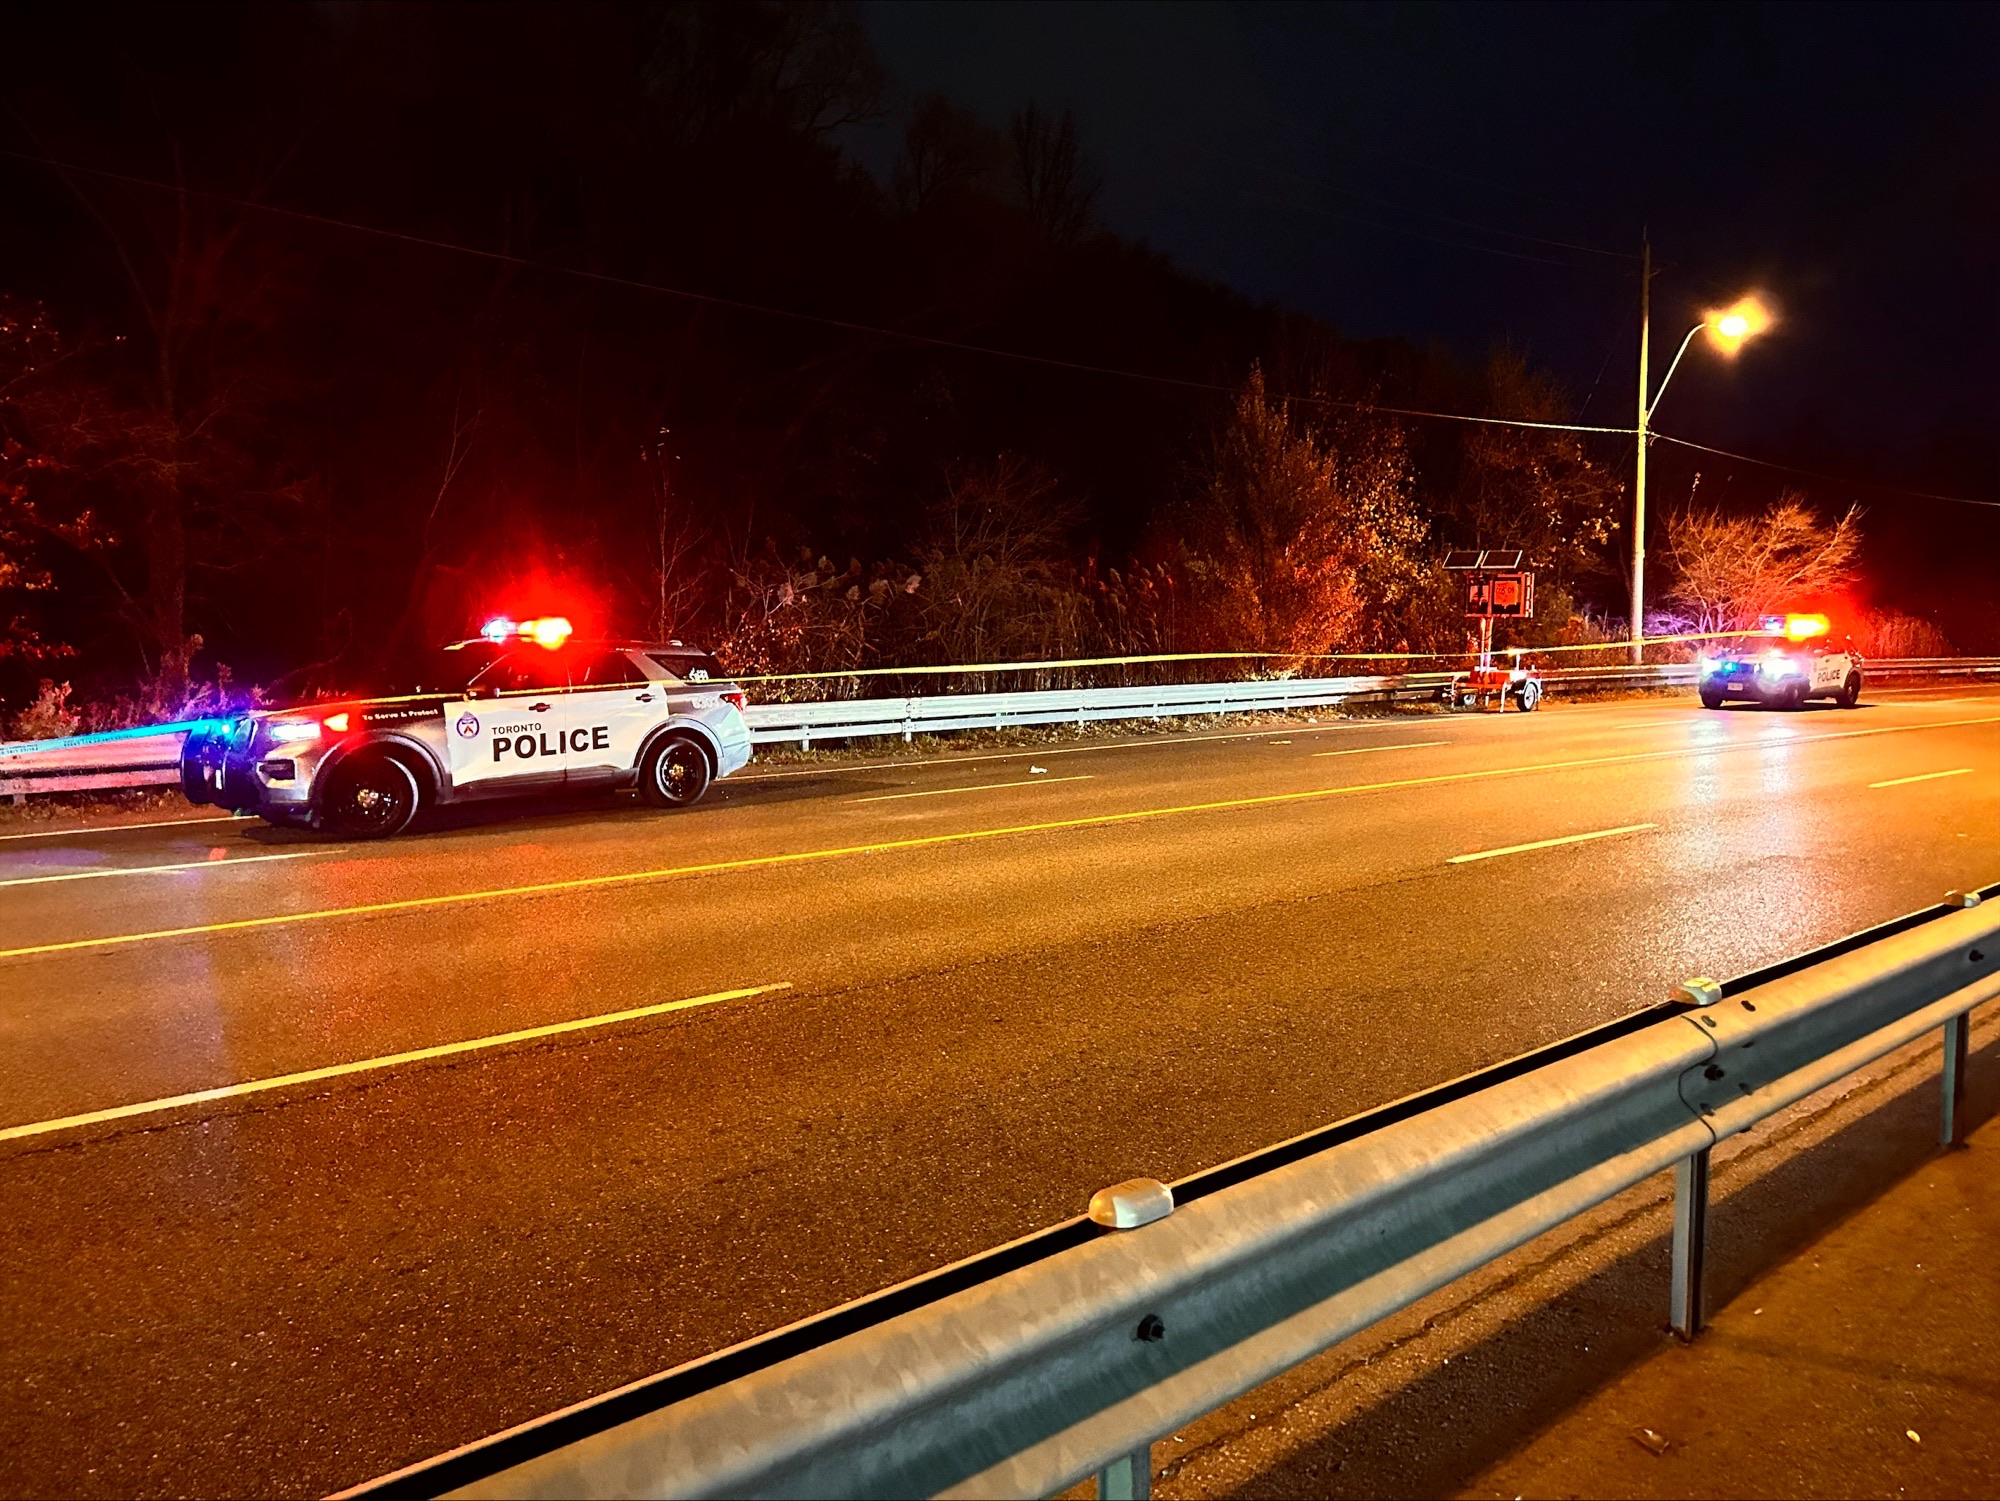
368, 1065
1369, 750
1546, 844
156, 870
1928, 776
890, 797
119, 828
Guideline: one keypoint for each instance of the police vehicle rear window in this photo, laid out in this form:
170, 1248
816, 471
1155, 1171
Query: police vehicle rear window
690, 666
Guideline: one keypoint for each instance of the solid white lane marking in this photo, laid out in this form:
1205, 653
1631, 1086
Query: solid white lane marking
1928, 776
119, 828
156, 870
1369, 750
1549, 844
369, 1065
890, 797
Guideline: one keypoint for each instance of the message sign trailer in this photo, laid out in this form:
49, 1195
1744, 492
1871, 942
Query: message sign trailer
1496, 588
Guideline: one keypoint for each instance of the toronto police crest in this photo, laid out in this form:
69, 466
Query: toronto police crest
468, 725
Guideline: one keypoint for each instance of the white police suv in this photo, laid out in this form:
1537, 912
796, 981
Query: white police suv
1789, 659
531, 710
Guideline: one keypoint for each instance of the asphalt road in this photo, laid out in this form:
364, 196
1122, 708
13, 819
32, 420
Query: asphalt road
998, 983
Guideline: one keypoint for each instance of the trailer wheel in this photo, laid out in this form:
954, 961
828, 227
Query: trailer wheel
1530, 696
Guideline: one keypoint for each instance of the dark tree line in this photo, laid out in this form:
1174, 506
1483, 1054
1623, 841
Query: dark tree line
239, 430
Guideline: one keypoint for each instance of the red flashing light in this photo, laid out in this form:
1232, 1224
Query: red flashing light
1805, 627
336, 722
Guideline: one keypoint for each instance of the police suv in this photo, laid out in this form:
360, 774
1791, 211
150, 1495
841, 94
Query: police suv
1791, 658
530, 710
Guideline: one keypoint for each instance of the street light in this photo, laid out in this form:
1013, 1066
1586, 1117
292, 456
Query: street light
1728, 328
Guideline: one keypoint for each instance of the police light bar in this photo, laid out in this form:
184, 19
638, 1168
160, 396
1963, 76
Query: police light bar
1795, 627
549, 630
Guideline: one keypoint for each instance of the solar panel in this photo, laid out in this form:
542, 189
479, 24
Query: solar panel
1462, 558
1502, 558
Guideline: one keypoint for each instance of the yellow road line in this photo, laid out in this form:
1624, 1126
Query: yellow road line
1929, 776
926, 841
369, 1065
1549, 844
119, 828
890, 797
1369, 750
155, 870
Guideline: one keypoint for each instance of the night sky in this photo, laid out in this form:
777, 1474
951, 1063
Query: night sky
1483, 174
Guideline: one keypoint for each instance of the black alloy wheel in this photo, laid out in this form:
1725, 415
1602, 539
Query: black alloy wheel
368, 797
1850, 691
1711, 700
675, 775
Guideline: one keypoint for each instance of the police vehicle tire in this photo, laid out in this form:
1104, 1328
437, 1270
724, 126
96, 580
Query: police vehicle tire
676, 773
1850, 691
1711, 700
1530, 696
369, 797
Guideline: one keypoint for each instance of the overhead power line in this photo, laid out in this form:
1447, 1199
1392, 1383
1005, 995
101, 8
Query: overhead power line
1831, 479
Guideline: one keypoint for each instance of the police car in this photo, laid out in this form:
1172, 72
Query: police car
1790, 659
530, 710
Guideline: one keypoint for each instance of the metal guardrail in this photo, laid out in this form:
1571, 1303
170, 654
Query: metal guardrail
1070, 1353
148, 757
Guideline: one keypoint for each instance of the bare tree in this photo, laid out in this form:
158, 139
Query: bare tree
1000, 583
946, 151
1056, 187
1729, 570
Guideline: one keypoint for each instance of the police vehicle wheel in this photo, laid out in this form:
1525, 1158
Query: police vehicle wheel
1711, 700
1530, 696
675, 774
1850, 691
369, 797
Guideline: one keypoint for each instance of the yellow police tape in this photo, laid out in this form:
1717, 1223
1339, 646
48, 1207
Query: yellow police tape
1222, 656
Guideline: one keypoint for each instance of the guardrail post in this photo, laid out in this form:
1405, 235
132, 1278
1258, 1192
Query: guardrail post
1690, 1242
1129, 1477
1957, 1040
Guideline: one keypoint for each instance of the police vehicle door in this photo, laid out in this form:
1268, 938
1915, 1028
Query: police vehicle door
612, 707
516, 732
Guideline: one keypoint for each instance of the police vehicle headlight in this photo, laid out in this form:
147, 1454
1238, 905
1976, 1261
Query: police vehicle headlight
1777, 665
287, 731
1704, 665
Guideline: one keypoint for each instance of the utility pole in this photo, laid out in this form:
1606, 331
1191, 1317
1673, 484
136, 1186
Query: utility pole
1639, 460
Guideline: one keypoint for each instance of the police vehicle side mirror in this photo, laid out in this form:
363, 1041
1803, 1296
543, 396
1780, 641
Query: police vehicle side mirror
479, 690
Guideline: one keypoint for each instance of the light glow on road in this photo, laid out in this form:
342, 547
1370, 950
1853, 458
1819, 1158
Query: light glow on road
1927, 776
927, 841
370, 1065
158, 870
890, 797
119, 828
1549, 844
1369, 750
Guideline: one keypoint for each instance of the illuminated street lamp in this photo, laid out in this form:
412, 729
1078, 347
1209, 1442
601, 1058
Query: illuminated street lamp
1727, 328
